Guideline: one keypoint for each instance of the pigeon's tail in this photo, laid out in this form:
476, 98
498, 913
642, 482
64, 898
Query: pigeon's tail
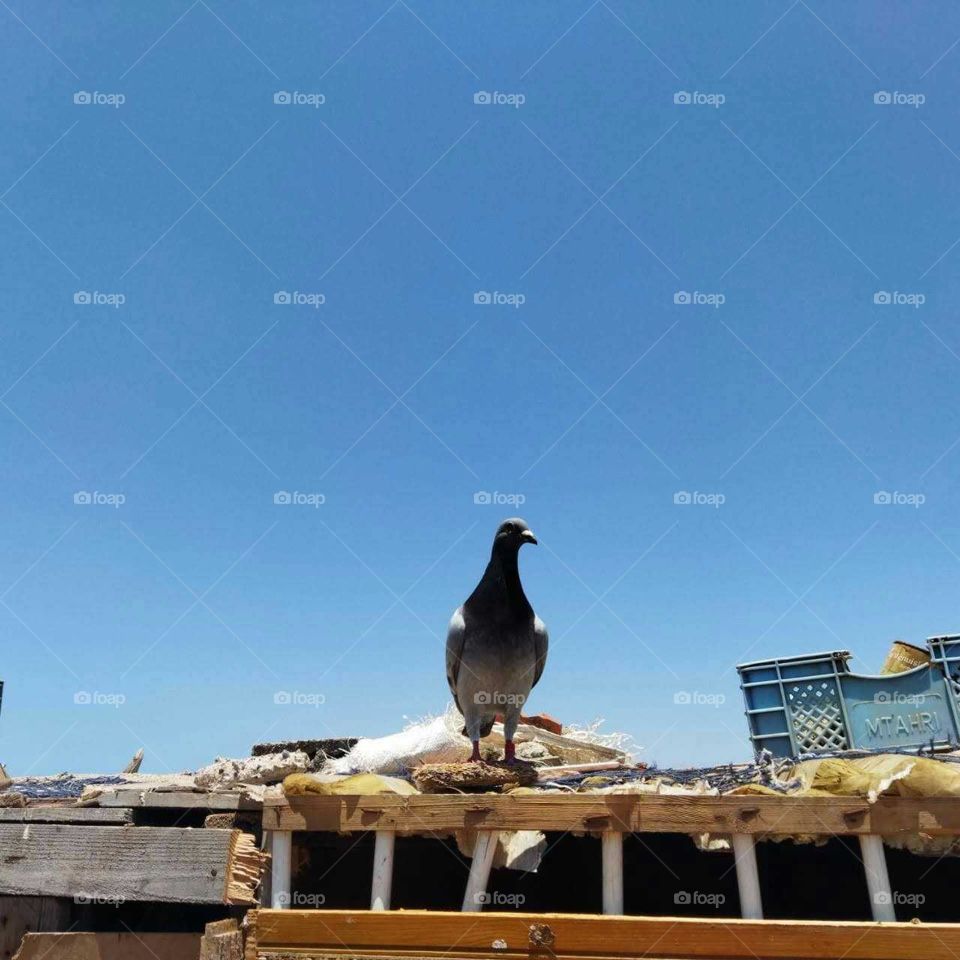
484, 730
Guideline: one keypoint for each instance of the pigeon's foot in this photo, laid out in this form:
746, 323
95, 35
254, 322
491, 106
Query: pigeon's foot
509, 753
475, 756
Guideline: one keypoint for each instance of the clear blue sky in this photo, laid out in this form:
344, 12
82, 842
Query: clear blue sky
588, 199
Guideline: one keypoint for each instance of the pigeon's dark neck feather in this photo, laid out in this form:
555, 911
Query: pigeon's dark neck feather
500, 592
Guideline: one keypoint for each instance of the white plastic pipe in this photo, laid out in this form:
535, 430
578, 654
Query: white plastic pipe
748, 878
281, 869
878, 880
612, 873
382, 870
483, 850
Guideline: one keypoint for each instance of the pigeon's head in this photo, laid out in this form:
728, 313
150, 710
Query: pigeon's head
512, 534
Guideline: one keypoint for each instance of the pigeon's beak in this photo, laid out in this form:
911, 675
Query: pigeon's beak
528, 537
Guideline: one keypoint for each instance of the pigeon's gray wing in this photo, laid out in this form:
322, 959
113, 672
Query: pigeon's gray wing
456, 635
540, 642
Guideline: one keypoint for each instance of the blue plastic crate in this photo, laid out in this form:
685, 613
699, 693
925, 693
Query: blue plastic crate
815, 704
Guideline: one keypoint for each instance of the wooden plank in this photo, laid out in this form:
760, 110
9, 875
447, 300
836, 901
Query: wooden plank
222, 940
110, 946
177, 800
52, 814
117, 864
427, 933
627, 813
21, 915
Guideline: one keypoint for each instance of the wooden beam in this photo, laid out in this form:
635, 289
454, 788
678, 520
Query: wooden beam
612, 856
110, 946
748, 877
625, 813
281, 868
419, 933
21, 915
222, 940
878, 880
382, 885
117, 864
52, 814
177, 799
484, 848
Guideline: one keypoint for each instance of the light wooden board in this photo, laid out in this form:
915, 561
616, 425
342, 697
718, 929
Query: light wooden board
177, 800
636, 813
110, 946
52, 814
169, 864
417, 933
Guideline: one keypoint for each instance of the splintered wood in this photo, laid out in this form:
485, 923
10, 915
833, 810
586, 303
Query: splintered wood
244, 864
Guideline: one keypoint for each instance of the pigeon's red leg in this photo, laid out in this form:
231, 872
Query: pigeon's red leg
509, 752
475, 756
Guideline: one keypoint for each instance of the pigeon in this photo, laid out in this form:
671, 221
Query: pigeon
496, 644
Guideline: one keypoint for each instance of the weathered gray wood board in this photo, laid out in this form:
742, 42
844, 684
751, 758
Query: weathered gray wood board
20, 915
177, 800
51, 814
110, 946
115, 864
